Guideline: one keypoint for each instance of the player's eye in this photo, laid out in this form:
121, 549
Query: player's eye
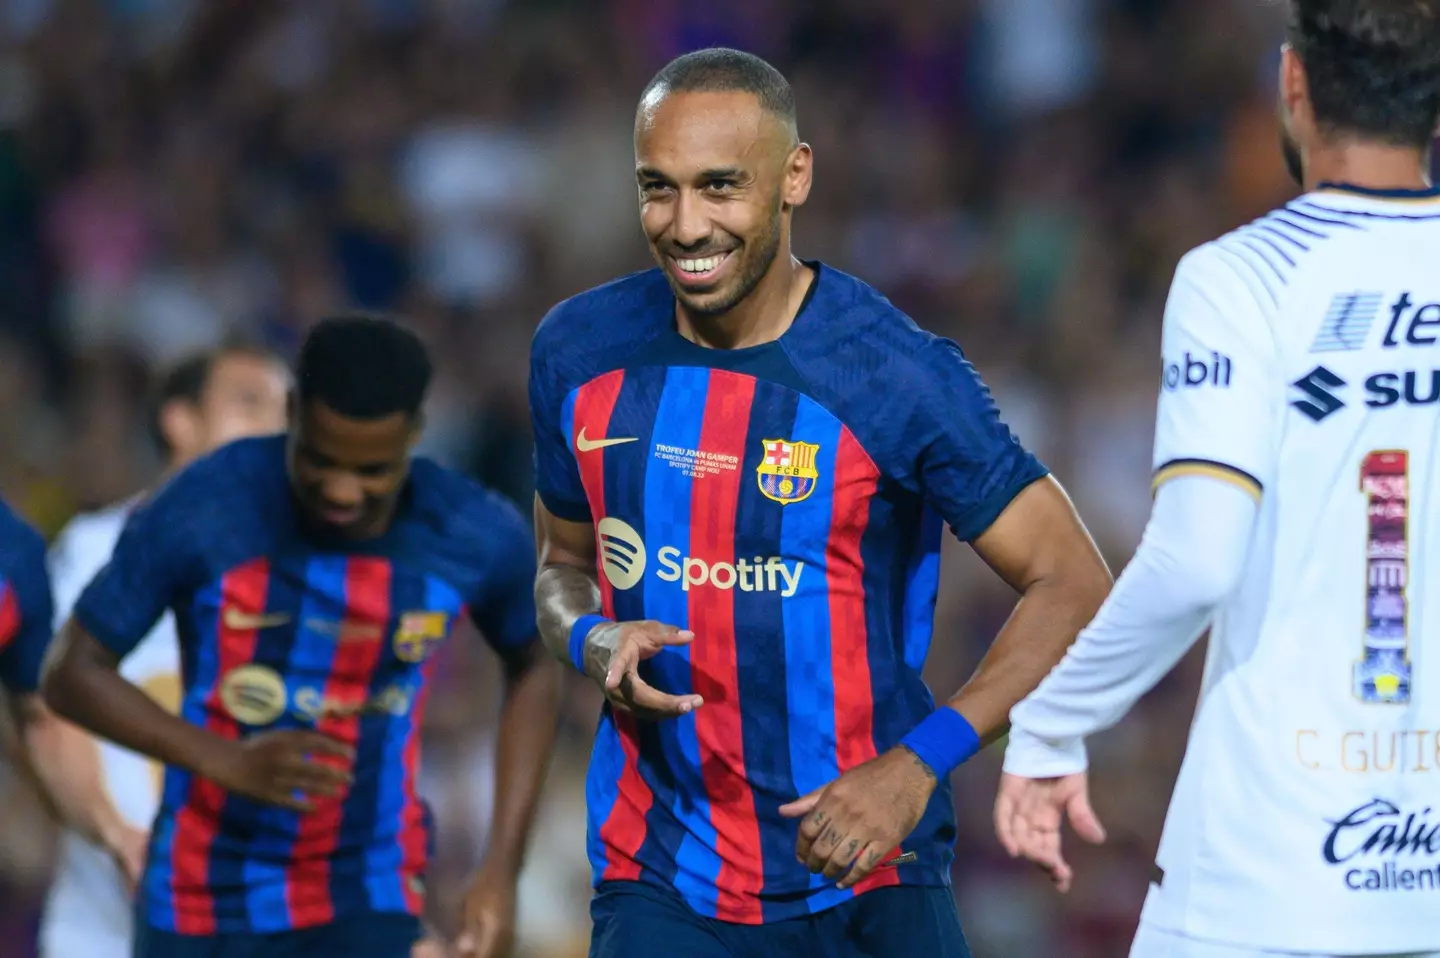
374, 470
652, 187
720, 186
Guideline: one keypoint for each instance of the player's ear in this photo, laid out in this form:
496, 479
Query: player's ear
417, 429
1294, 89
799, 174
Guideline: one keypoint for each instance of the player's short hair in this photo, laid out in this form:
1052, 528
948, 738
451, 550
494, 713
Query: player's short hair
363, 366
723, 70
1373, 66
187, 378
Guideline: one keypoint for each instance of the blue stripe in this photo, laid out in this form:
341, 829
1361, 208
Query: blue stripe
760, 664
1250, 266
1371, 215
922, 586
1263, 258
667, 531
205, 655
1285, 236
1255, 235
1298, 227
317, 587
809, 675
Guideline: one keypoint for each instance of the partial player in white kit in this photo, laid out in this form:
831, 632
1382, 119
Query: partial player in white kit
1297, 516
203, 403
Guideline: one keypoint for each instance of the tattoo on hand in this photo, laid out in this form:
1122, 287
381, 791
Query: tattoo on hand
854, 847
831, 835
872, 859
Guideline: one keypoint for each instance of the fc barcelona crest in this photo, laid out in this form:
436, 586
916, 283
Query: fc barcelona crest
418, 635
787, 470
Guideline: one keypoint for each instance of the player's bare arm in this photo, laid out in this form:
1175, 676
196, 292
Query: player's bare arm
66, 765
567, 602
1040, 547
81, 683
527, 733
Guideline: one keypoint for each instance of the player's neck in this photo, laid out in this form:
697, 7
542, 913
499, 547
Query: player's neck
1370, 166
761, 317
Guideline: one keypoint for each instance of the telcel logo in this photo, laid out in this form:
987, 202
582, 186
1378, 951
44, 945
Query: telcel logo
623, 561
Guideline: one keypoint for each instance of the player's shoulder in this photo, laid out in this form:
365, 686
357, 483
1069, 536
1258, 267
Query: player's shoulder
246, 470
22, 547
463, 509
603, 325
853, 334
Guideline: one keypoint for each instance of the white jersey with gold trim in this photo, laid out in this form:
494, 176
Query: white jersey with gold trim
88, 912
1302, 363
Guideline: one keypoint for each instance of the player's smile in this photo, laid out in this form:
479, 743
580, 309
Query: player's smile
698, 272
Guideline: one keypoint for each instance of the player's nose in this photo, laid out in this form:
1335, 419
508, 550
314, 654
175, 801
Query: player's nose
692, 225
343, 490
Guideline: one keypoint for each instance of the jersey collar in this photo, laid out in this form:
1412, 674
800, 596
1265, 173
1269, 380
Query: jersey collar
1369, 193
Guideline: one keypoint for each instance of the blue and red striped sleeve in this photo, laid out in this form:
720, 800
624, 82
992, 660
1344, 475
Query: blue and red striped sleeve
156, 557
970, 464
503, 607
552, 411
26, 614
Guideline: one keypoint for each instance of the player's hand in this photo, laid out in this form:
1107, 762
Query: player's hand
857, 822
128, 846
613, 653
288, 768
429, 947
489, 930
1029, 813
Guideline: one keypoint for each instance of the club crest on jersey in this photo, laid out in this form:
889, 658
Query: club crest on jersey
418, 634
787, 470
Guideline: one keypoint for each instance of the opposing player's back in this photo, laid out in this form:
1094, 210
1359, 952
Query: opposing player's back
1311, 335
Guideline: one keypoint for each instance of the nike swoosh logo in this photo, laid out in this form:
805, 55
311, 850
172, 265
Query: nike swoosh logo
249, 621
590, 445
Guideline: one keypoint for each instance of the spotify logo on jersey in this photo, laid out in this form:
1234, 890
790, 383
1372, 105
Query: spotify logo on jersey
622, 552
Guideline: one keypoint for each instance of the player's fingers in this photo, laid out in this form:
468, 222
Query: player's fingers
644, 696
317, 780
834, 833
802, 805
840, 860
1004, 827
622, 663
1084, 820
315, 743
869, 858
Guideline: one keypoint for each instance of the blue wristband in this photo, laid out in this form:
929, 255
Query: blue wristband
578, 633
944, 740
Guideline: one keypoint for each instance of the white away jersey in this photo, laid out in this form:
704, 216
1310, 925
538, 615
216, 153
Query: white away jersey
88, 912
1302, 362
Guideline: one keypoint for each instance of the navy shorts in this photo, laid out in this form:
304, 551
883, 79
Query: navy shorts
635, 920
363, 936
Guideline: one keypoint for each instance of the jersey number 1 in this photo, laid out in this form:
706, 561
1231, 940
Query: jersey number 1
1383, 672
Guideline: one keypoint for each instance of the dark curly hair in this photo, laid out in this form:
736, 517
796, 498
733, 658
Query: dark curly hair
1373, 66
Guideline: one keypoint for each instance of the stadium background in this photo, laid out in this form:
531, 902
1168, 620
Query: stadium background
1019, 174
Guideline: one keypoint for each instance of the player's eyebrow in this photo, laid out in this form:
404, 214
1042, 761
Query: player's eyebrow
649, 173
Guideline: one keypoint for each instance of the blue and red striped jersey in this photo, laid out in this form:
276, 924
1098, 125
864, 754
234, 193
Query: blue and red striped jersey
26, 608
278, 632
785, 502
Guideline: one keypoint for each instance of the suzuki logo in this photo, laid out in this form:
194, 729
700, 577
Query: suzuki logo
1319, 384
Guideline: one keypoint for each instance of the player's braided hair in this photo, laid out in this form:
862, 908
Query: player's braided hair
363, 367
723, 70
1373, 66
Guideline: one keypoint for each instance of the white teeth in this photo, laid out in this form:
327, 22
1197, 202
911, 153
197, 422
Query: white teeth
700, 265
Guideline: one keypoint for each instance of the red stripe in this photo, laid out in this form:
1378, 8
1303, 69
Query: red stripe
367, 600
198, 820
9, 615
713, 670
413, 836
594, 403
855, 482
623, 832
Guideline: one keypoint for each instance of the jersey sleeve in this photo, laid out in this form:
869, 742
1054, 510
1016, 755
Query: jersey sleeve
504, 606
557, 474
1219, 408
26, 619
155, 559
970, 464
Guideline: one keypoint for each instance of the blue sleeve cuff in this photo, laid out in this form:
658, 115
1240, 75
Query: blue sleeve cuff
945, 740
111, 638
983, 516
564, 508
578, 633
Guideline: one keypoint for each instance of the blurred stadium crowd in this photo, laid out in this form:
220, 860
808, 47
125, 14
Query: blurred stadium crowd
1021, 175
